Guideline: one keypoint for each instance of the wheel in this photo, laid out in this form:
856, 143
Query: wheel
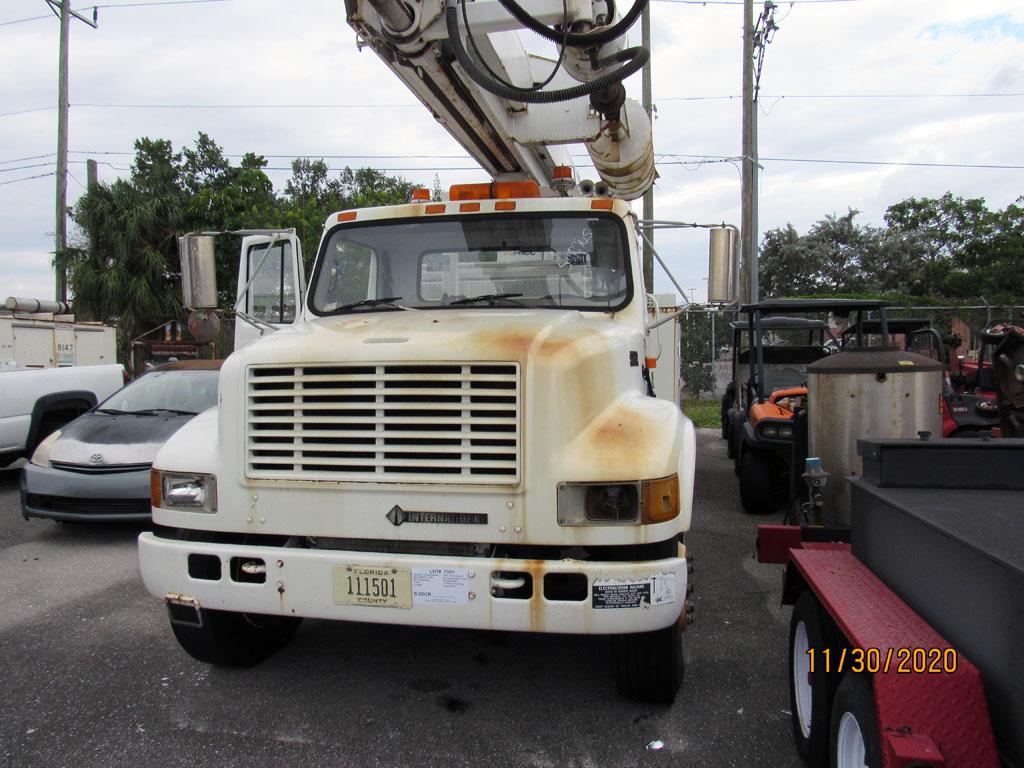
649, 665
757, 485
727, 402
810, 693
229, 639
853, 738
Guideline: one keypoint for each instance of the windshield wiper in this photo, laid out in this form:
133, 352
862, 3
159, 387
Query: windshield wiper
365, 303
147, 412
490, 298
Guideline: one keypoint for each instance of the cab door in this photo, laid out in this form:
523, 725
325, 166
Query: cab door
271, 285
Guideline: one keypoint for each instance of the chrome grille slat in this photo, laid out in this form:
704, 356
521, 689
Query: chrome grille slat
455, 423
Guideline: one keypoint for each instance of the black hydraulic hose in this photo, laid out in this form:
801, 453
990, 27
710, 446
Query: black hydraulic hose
576, 39
637, 57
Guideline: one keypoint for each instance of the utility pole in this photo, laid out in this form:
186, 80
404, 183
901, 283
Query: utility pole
756, 37
648, 213
91, 180
748, 202
62, 10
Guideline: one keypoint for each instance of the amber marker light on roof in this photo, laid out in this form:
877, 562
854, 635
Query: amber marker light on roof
505, 205
435, 208
347, 216
469, 207
561, 172
421, 195
496, 190
603, 204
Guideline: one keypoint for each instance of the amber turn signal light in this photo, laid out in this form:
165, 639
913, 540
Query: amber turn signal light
661, 499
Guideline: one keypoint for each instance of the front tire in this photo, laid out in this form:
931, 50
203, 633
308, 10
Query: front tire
228, 639
649, 665
854, 740
757, 485
810, 694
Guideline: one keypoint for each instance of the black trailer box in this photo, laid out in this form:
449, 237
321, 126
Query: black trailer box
941, 522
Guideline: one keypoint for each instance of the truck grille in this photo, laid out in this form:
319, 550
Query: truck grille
425, 423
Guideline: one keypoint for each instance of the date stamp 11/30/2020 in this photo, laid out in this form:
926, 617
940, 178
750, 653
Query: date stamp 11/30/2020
902, 661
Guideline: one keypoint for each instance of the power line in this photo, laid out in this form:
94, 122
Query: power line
696, 159
851, 96
25, 111
740, 2
726, 97
25, 159
833, 161
25, 167
123, 5
27, 178
910, 164
297, 157
241, 106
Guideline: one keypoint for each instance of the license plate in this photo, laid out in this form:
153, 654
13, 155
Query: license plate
373, 586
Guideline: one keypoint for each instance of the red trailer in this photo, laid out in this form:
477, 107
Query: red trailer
905, 637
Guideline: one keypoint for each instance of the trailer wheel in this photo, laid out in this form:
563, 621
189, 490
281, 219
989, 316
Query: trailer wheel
854, 741
649, 665
757, 485
228, 639
810, 693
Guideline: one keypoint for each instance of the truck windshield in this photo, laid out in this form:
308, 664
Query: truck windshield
561, 261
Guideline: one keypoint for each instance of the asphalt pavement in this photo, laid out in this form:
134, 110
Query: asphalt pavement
91, 675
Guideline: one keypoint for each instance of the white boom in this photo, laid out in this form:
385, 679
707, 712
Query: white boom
466, 63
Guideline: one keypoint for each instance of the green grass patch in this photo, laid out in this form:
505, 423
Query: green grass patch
703, 413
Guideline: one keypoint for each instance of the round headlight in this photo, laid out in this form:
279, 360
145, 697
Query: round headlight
611, 502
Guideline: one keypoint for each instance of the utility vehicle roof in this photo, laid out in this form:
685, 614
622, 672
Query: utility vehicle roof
780, 323
814, 305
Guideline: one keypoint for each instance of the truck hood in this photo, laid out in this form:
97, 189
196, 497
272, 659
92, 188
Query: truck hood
521, 335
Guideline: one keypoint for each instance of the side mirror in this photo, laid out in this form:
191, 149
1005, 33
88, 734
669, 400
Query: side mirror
722, 266
198, 272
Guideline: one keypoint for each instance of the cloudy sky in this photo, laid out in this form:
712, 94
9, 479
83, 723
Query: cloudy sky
907, 88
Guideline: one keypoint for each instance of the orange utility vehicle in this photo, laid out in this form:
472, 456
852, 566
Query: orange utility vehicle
764, 411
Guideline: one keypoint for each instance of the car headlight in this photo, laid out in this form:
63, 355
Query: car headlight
41, 455
191, 491
648, 501
771, 432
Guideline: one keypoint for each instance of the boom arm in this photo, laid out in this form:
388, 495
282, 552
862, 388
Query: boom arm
455, 57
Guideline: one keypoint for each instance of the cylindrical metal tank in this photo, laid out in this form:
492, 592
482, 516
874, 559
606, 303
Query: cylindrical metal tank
866, 393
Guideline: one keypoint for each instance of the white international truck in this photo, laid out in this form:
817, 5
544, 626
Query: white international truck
459, 428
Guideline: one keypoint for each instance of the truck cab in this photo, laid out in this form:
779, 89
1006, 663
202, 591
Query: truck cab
458, 430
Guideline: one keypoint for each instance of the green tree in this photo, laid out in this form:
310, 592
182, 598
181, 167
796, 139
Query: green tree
130, 273
947, 248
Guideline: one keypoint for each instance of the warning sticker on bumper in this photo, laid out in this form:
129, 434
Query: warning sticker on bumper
658, 589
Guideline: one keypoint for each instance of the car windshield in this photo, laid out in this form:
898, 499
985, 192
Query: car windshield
531, 260
175, 390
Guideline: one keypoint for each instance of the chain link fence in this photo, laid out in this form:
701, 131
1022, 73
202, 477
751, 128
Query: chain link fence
706, 338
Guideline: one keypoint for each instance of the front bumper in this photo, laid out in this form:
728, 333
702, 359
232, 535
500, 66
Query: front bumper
58, 494
301, 582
